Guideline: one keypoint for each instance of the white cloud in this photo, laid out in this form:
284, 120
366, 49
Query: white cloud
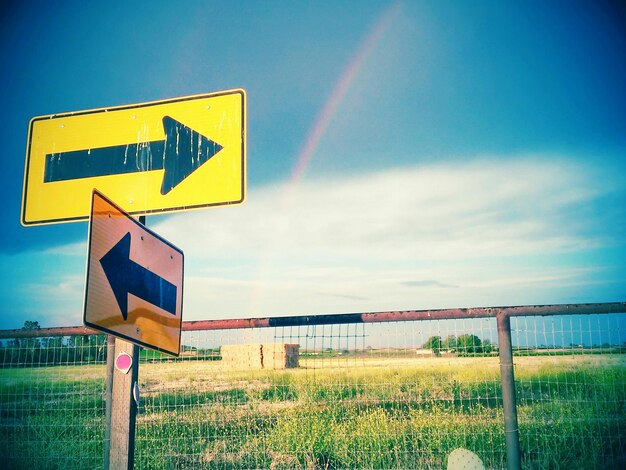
441, 212
483, 233
74, 249
60, 302
440, 236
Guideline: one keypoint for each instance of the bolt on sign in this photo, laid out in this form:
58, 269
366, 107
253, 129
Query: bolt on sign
134, 284
163, 156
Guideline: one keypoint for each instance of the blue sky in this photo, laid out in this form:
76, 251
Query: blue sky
401, 155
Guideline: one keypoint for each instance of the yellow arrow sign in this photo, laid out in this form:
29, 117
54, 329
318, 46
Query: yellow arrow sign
163, 156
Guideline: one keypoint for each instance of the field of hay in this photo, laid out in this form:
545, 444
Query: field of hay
376, 411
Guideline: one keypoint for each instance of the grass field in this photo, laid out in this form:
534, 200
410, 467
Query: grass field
336, 412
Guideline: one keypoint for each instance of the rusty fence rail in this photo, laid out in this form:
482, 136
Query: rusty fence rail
522, 387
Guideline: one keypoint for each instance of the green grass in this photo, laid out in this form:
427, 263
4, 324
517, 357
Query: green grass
52, 419
383, 412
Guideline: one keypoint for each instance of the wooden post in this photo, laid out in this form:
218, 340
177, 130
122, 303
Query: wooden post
122, 411
121, 408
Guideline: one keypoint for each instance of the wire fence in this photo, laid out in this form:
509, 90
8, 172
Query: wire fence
315, 393
571, 390
52, 402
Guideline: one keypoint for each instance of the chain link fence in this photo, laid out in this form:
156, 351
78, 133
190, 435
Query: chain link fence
397, 394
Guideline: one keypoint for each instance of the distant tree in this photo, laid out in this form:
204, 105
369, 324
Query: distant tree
487, 346
31, 325
80, 349
450, 343
468, 344
32, 346
433, 343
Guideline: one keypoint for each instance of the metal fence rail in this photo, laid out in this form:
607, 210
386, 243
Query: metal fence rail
540, 387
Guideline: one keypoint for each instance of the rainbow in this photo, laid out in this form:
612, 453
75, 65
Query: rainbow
319, 128
340, 91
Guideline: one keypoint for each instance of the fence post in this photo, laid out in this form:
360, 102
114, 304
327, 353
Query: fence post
507, 376
122, 412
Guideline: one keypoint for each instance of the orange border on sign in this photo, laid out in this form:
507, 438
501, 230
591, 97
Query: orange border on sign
146, 324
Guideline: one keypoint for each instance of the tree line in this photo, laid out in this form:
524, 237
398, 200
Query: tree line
464, 344
29, 352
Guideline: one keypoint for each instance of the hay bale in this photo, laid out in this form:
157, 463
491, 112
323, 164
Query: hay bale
261, 356
242, 356
281, 356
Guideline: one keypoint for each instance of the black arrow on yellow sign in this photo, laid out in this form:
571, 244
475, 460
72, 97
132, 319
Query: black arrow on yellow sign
181, 153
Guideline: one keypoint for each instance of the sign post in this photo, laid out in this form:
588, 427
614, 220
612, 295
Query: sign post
121, 407
133, 292
162, 156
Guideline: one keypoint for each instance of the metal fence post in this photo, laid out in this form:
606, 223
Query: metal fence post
507, 376
123, 411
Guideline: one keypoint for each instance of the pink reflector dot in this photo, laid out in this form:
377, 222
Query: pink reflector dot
123, 362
